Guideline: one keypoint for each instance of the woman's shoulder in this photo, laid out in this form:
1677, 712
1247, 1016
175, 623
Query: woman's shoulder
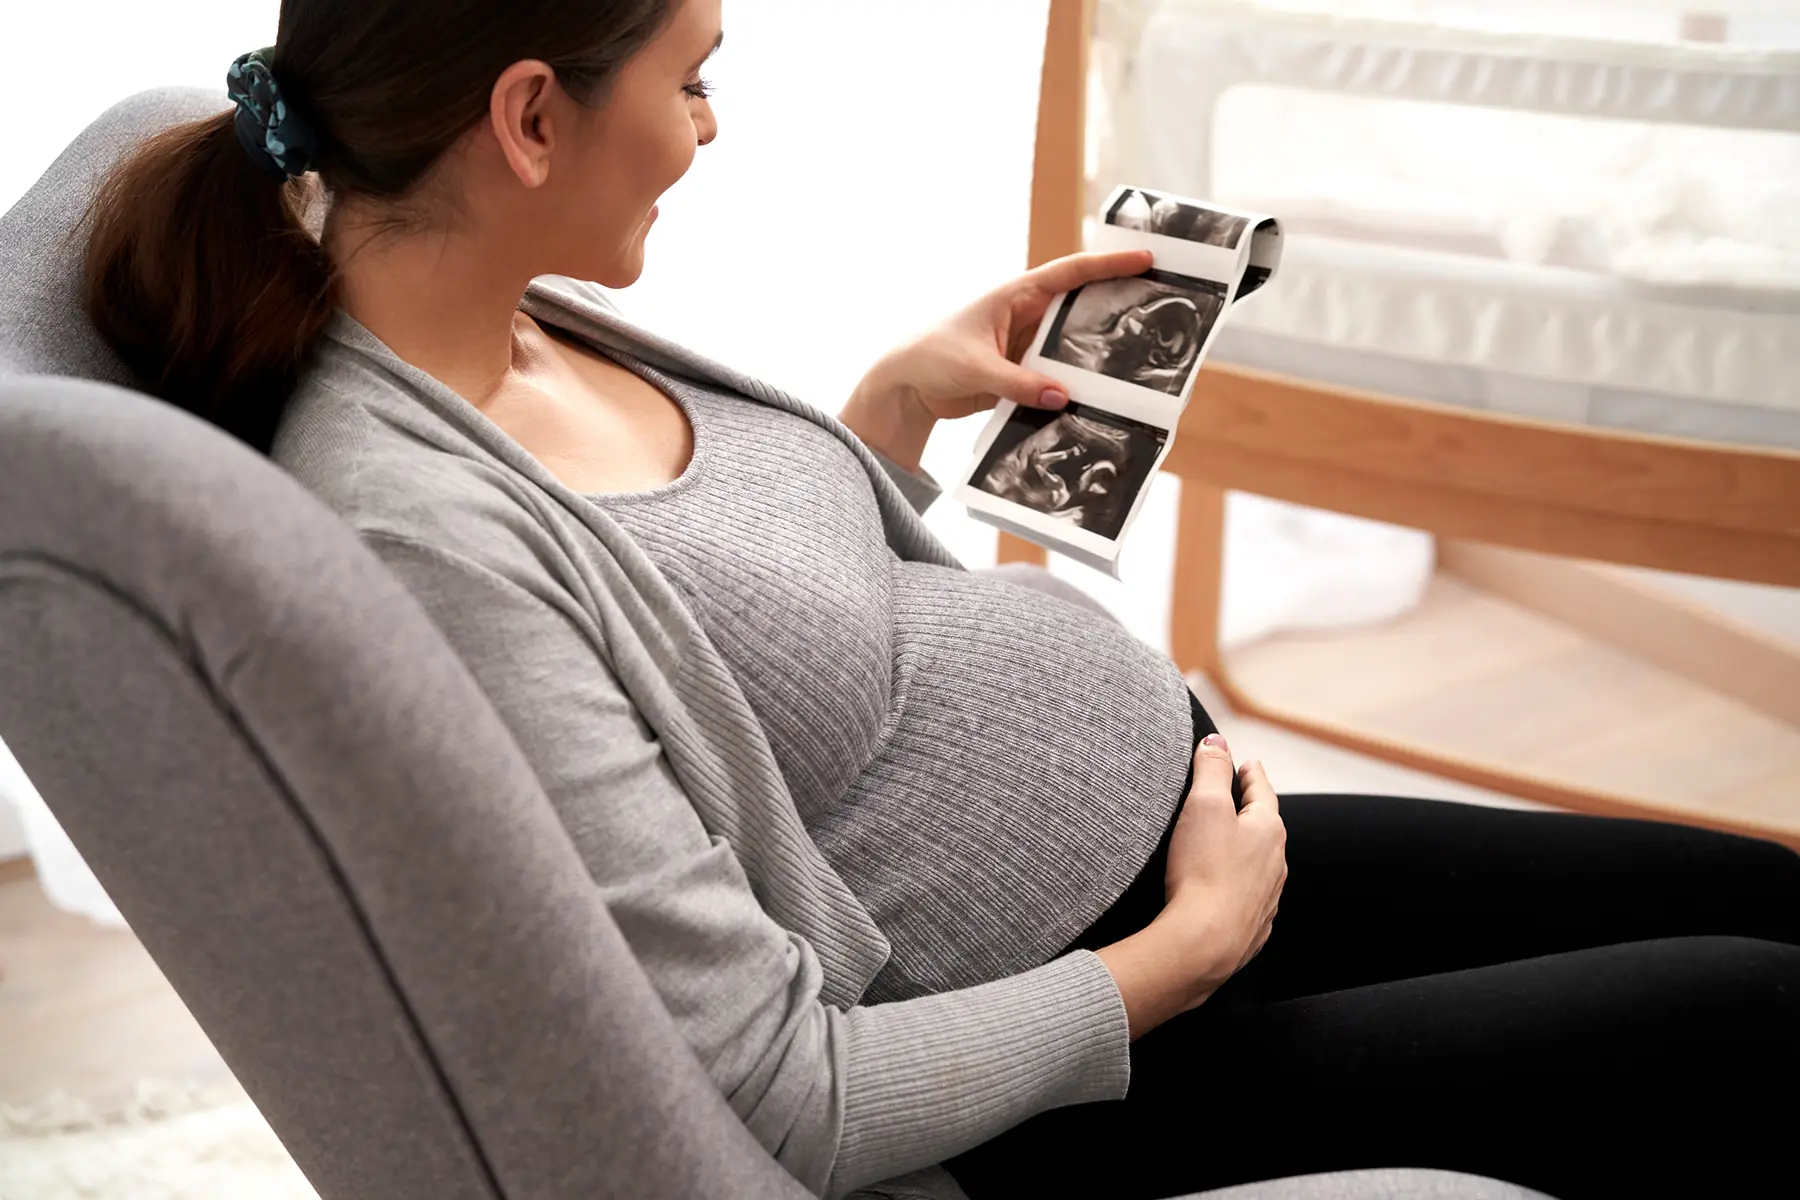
395, 471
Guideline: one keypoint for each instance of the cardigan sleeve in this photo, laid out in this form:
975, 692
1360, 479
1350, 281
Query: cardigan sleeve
919, 488
840, 1098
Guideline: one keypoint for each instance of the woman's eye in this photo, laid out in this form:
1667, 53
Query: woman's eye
699, 90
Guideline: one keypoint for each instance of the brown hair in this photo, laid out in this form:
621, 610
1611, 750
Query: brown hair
201, 269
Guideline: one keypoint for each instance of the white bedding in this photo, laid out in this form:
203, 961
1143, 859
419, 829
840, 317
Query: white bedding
1545, 342
1578, 231
1659, 204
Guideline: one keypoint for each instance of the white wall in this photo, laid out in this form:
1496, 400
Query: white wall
64, 63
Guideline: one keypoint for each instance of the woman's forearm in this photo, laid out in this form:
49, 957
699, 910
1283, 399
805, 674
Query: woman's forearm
890, 418
929, 1077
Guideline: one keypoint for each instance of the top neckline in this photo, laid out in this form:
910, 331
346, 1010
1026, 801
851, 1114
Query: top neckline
702, 437
347, 330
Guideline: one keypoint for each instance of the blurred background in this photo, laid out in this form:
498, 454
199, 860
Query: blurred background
872, 173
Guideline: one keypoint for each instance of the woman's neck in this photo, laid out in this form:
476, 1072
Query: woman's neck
438, 300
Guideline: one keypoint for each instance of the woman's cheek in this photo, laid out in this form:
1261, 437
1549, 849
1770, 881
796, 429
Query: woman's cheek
684, 145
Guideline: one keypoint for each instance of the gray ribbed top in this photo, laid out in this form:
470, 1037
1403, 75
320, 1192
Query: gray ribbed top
987, 766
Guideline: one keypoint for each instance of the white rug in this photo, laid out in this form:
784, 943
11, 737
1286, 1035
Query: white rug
169, 1142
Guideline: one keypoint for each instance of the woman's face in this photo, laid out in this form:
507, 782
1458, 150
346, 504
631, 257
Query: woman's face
600, 198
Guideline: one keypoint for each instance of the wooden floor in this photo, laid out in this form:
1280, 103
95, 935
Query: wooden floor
84, 1011
1478, 677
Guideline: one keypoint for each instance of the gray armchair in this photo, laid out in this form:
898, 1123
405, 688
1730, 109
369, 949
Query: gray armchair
308, 812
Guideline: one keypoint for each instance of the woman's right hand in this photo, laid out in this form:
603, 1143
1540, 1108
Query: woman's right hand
1223, 885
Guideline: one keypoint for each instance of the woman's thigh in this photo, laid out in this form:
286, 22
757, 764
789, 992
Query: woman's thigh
1633, 1069
1382, 888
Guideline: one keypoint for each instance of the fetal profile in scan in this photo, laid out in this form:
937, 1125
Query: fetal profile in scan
1146, 330
1080, 465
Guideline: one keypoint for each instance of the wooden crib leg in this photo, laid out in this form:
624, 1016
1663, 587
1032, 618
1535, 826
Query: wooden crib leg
1199, 572
1017, 549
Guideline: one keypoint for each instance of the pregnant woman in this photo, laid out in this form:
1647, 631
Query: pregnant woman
939, 871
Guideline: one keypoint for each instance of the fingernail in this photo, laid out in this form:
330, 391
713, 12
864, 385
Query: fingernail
1052, 398
1213, 739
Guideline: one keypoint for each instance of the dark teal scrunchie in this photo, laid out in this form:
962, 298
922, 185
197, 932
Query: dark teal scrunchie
275, 135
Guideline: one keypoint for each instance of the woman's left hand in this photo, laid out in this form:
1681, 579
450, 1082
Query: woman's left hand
970, 361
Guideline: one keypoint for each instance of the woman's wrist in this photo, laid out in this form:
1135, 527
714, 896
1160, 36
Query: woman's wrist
889, 417
1163, 970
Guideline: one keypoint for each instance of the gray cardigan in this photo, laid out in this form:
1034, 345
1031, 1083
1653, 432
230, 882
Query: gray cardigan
663, 776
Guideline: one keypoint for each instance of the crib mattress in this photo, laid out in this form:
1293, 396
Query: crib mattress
1529, 340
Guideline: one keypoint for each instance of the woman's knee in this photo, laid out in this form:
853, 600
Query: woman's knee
1777, 865
1766, 875
1733, 980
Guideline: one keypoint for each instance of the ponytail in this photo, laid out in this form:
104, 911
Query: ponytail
201, 273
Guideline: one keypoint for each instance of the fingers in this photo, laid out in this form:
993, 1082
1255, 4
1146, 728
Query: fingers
1212, 771
1023, 305
1026, 388
1254, 783
1072, 270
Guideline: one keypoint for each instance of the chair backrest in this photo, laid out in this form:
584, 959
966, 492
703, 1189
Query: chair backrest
299, 798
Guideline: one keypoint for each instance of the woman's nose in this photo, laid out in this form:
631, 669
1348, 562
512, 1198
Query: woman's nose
709, 127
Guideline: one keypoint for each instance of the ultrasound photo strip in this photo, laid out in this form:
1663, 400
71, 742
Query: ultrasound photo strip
1128, 352
1265, 256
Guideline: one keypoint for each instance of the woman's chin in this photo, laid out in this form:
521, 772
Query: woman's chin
621, 272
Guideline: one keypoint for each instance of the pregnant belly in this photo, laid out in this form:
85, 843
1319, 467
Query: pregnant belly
1031, 761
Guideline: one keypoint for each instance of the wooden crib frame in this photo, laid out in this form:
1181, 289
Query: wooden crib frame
1726, 511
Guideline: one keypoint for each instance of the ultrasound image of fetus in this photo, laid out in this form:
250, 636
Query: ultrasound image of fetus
1080, 465
1138, 209
1146, 330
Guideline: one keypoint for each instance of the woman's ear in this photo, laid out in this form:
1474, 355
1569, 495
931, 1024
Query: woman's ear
520, 110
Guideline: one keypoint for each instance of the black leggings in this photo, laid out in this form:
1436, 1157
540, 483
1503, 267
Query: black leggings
1589, 1006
